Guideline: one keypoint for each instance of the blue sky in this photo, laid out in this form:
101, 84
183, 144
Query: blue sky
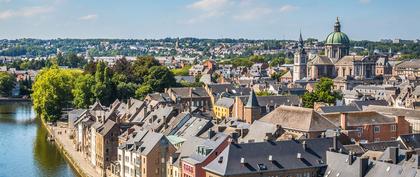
253, 19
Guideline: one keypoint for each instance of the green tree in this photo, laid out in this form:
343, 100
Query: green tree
322, 93
141, 68
264, 93
159, 78
52, 91
83, 91
7, 83
143, 90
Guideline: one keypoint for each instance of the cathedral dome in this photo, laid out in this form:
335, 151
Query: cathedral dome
337, 37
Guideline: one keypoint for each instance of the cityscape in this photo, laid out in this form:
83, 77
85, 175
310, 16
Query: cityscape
206, 88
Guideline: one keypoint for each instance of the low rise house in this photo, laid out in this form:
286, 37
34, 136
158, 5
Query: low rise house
299, 122
272, 158
368, 126
187, 98
144, 154
260, 105
223, 107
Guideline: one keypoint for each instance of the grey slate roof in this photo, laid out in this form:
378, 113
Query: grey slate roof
225, 102
298, 118
338, 166
360, 118
360, 104
332, 109
256, 157
411, 141
252, 100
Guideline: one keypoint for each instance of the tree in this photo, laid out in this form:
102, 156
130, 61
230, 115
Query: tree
7, 83
322, 93
141, 68
83, 91
103, 89
143, 90
264, 93
126, 90
159, 78
52, 91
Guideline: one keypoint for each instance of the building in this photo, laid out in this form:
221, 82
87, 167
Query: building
337, 44
223, 107
203, 154
369, 126
299, 122
266, 104
300, 59
272, 158
144, 154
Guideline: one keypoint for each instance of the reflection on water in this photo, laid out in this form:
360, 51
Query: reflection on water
24, 150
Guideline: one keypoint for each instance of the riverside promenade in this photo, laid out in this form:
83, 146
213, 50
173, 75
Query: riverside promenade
75, 158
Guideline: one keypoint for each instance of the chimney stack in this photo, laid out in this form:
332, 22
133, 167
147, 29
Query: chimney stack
335, 144
364, 164
304, 146
343, 120
393, 154
211, 133
350, 158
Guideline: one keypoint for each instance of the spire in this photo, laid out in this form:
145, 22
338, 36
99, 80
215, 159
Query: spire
300, 39
252, 100
337, 26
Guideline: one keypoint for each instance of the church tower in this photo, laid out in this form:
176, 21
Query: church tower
299, 66
337, 44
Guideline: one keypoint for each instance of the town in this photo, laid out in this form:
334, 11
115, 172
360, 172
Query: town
236, 108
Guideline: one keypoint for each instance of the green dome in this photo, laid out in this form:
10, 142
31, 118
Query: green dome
338, 38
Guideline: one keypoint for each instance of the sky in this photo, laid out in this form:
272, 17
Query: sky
250, 19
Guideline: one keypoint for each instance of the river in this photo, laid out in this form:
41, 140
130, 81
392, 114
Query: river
24, 150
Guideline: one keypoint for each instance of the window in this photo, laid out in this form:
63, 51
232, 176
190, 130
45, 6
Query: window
393, 128
376, 129
359, 131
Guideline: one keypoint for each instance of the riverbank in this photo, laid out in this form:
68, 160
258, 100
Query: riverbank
75, 159
10, 99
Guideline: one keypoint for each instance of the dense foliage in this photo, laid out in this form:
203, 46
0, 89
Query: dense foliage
55, 89
7, 83
322, 93
52, 91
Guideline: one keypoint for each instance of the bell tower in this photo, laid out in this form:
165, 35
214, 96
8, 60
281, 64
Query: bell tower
300, 61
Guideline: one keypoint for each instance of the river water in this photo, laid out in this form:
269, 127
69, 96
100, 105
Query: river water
24, 150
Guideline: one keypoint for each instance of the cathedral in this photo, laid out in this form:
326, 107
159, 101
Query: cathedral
346, 70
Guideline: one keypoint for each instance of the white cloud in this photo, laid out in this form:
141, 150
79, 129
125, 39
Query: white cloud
209, 5
5, 1
25, 12
89, 17
287, 8
253, 14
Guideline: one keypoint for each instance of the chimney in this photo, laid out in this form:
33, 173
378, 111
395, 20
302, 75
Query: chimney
335, 143
243, 161
364, 164
221, 128
393, 154
165, 123
145, 111
244, 132
234, 137
268, 136
343, 120
299, 155
399, 119
350, 158
304, 146
418, 161
270, 158
211, 133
